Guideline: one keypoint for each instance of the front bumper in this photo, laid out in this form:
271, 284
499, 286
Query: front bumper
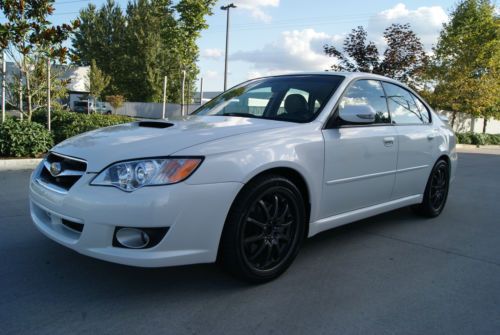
195, 215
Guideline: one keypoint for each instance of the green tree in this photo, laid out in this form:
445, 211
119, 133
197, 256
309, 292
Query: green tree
404, 58
101, 37
27, 35
96, 81
152, 39
466, 65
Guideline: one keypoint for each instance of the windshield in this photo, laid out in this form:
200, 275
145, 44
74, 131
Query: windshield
285, 98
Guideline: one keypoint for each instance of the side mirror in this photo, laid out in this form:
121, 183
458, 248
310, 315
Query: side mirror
357, 113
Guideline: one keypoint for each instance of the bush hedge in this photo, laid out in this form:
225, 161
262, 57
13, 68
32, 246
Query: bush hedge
67, 124
478, 139
24, 139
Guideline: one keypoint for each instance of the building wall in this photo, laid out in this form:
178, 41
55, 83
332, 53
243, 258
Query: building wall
465, 123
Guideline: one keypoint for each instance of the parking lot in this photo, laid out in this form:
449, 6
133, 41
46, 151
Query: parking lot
395, 273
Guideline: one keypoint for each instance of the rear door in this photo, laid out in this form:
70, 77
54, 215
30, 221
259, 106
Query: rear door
417, 140
360, 160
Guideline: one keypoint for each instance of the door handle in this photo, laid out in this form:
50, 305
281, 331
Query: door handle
430, 137
388, 141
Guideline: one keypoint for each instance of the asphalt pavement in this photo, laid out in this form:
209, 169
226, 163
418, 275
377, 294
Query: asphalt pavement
392, 274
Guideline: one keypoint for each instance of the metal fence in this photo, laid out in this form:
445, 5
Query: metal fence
151, 110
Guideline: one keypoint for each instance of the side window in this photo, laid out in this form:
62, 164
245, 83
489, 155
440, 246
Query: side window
367, 92
403, 106
424, 112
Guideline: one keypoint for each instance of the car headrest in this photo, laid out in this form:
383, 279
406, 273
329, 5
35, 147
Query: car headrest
296, 104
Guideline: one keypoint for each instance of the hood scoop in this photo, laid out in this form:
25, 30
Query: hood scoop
154, 124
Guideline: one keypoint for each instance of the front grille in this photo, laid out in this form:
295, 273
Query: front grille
61, 172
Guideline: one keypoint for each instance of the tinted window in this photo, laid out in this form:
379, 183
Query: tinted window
424, 112
367, 92
403, 106
285, 98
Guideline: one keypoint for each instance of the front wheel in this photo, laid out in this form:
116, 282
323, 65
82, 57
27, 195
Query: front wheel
436, 191
264, 229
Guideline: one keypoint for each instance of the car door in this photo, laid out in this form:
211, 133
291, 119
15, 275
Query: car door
417, 140
360, 160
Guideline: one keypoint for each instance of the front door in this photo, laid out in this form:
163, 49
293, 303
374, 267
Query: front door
360, 160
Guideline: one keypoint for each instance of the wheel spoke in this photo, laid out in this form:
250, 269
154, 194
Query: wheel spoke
269, 256
258, 252
276, 207
266, 210
285, 212
253, 239
256, 222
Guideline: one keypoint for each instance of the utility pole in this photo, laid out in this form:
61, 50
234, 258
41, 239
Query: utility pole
182, 91
48, 95
227, 9
164, 97
4, 73
201, 91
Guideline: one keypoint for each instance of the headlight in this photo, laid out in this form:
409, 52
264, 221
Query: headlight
132, 175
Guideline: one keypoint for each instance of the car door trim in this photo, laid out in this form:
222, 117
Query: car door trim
372, 175
365, 176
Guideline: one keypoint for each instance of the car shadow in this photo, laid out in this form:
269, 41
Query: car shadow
69, 269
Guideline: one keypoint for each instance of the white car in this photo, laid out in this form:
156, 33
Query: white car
247, 177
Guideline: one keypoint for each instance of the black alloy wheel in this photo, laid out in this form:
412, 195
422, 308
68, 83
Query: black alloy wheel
436, 191
264, 229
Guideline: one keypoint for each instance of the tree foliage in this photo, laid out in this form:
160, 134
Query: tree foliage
138, 47
116, 101
96, 81
466, 65
404, 58
28, 36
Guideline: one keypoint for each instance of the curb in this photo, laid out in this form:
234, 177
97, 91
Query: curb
19, 164
473, 146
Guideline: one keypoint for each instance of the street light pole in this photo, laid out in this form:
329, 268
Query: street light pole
227, 8
4, 73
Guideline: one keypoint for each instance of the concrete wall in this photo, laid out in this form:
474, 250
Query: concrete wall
465, 123
151, 110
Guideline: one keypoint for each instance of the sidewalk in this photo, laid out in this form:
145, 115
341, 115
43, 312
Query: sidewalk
485, 149
19, 164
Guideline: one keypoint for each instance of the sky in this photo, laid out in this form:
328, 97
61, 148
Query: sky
284, 36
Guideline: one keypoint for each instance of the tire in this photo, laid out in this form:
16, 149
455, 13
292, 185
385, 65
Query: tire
436, 191
108, 113
264, 229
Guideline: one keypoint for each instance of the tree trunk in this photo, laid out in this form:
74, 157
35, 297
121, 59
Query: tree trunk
21, 96
453, 117
485, 123
28, 94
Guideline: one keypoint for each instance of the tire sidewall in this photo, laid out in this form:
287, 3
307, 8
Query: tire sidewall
238, 212
433, 212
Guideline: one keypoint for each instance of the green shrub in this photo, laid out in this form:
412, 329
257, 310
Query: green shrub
24, 139
66, 124
478, 139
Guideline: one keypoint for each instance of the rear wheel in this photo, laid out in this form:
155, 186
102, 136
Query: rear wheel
264, 229
436, 191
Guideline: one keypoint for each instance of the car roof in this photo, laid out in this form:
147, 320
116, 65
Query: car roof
348, 75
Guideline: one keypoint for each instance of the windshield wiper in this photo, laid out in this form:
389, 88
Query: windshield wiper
242, 115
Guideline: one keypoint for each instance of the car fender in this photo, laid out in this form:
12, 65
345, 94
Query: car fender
299, 147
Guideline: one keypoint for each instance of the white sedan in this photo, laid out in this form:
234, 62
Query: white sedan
248, 176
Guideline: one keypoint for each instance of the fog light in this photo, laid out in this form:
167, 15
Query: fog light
132, 238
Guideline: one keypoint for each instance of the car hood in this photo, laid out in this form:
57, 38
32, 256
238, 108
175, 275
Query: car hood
142, 139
